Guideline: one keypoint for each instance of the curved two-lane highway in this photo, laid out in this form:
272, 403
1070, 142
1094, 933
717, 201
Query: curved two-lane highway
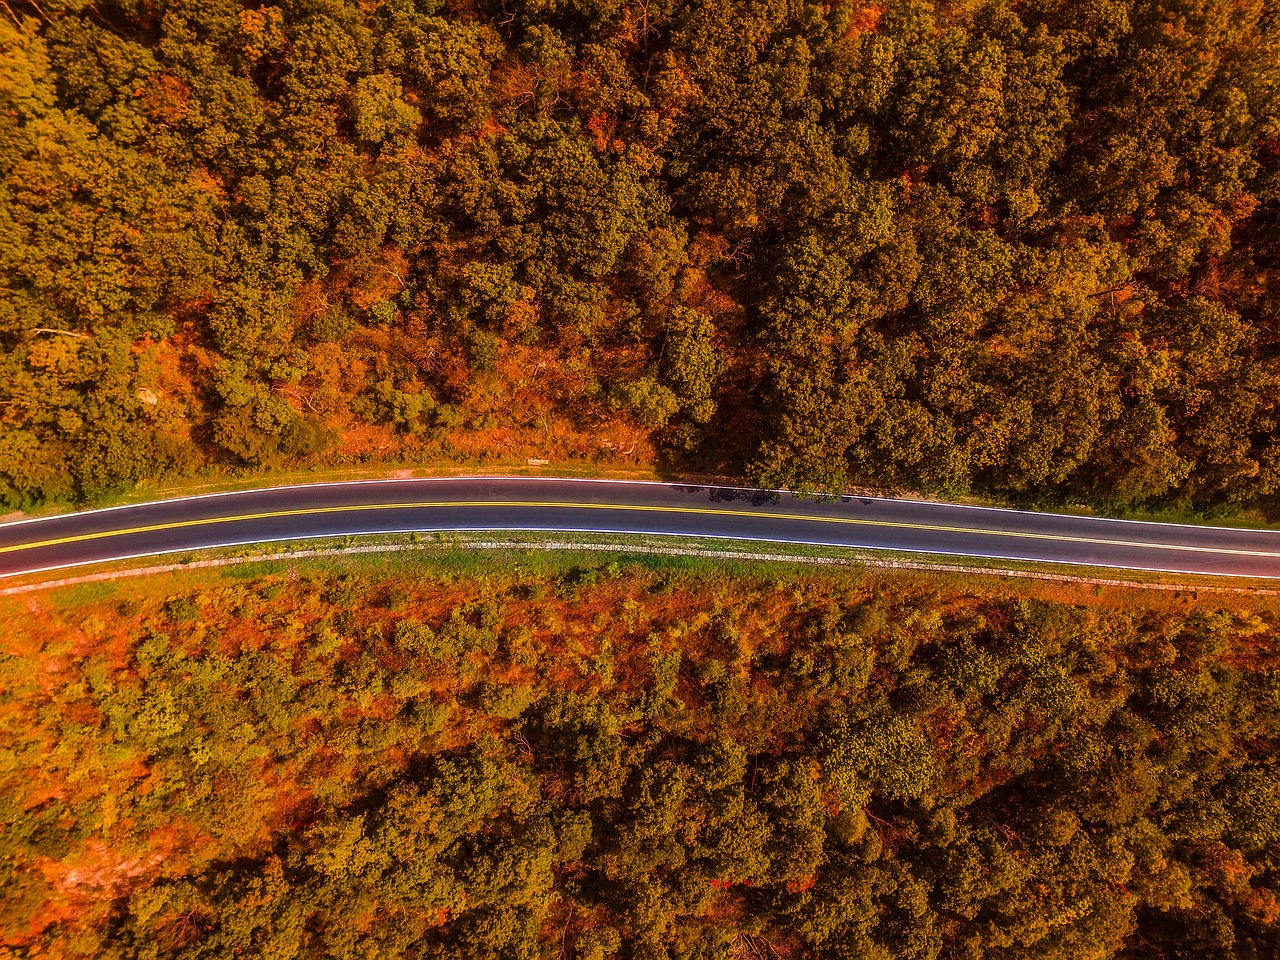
526, 504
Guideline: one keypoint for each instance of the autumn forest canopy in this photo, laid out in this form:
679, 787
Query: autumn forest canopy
621, 761
1023, 248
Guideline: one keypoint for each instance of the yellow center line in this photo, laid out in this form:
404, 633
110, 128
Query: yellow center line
704, 511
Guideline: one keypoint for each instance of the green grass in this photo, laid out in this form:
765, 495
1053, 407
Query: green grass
214, 480
452, 552
1251, 517
81, 594
463, 563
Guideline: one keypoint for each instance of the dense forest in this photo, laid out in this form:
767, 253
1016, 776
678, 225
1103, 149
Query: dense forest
620, 761
1029, 248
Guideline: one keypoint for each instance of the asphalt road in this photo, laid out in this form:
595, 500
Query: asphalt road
548, 504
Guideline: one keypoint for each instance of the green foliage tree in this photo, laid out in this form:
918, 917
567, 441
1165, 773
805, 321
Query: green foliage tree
1026, 249
399, 764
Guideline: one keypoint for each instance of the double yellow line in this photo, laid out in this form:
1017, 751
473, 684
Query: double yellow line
560, 505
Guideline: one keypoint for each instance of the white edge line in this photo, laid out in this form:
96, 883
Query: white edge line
652, 483
627, 533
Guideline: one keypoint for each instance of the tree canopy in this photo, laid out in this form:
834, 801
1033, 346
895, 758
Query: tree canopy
1022, 248
623, 762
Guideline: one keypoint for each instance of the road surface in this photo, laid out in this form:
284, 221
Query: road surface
517, 504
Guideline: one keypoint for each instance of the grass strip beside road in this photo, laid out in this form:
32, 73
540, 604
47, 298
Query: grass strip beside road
205, 485
730, 556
